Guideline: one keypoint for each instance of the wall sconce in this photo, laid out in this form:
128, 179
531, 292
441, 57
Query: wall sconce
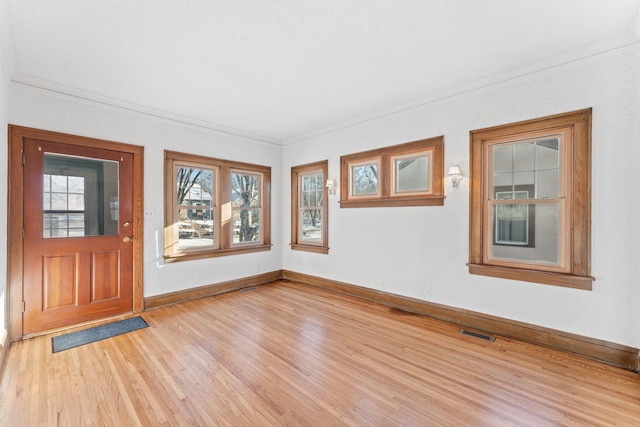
456, 175
331, 186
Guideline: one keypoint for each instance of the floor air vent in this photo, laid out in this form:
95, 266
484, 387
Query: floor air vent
467, 332
252, 288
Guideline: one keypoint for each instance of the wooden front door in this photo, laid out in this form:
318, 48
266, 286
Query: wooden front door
78, 234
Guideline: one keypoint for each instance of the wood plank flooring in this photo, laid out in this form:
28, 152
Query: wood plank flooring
287, 354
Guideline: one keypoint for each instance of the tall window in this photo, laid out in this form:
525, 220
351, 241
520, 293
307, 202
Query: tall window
215, 207
530, 204
309, 213
408, 174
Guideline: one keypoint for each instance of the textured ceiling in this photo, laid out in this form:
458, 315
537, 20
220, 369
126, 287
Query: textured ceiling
280, 70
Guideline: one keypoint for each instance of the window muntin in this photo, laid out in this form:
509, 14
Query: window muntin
309, 207
410, 174
550, 159
215, 207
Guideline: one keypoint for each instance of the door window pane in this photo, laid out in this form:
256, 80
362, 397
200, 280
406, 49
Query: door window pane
80, 196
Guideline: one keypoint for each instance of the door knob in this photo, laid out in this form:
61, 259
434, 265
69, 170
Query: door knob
127, 239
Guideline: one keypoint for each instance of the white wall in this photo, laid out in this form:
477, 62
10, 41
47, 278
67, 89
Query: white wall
421, 252
46, 110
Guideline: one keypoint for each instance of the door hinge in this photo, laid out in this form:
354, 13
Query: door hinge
23, 233
24, 306
24, 159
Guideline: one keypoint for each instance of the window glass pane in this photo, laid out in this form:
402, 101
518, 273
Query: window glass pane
58, 201
523, 156
503, 180
246, 225
58, 183
547, 183
364, 179
311, 190
514, 224
524, 178
411, 174
511, 224
502, 159
195, 229
245, 190
76, 202
311, 225
76, 184
80, 196
547, 154
195, 187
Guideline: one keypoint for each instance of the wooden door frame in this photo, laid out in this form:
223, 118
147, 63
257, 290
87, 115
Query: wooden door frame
15, 211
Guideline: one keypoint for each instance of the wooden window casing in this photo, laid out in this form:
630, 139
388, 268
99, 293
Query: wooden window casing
573, 201
387, 191
221, 210
297, 239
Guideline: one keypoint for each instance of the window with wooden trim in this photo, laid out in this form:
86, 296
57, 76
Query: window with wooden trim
309, 208
530, 201
215, 207
410, 174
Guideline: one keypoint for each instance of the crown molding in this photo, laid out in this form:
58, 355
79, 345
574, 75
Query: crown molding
37, 84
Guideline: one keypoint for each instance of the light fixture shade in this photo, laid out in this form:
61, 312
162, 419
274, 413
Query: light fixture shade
455, 170
330, 183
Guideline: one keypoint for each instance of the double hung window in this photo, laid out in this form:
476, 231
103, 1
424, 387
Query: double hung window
530, 204
214, 207
309, 213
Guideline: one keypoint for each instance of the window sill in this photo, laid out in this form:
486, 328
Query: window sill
394, 202
544, 277
310, 248
215, 253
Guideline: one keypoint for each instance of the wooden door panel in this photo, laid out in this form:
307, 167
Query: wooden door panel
60, 281
76, 265
105, 272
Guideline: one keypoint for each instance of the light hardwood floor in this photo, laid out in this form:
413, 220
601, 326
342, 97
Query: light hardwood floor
287, 354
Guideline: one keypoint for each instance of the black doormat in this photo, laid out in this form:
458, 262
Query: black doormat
87, 336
